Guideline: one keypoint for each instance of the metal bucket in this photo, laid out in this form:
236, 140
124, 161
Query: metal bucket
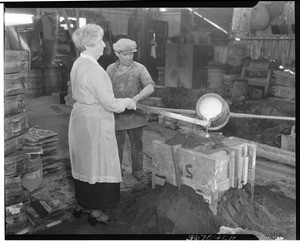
34, 177
220, 119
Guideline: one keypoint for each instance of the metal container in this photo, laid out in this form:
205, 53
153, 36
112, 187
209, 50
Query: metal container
221, 116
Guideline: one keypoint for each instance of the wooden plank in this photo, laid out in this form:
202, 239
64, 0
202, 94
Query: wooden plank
252, 168
272, 153
174, 150
163, 161
241, 22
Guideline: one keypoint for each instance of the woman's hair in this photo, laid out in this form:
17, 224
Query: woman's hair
87, 35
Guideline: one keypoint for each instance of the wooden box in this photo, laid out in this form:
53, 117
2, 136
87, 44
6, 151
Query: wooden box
284, 78
15, 165
284, 91
15, 125
288, 143
208, 172
13, 144
13, 105
16, 61
16, 83
21, 196
12, 182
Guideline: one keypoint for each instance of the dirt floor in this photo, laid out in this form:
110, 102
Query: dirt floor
165, 209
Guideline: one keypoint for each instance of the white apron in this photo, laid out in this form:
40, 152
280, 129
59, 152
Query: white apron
92, 142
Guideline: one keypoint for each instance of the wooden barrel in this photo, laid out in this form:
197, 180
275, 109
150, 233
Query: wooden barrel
215, 77
36, 82
52, 79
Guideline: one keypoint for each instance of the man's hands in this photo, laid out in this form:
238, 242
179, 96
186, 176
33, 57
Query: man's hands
131, 104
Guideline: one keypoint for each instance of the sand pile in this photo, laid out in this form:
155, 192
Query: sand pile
167, 210
236, 209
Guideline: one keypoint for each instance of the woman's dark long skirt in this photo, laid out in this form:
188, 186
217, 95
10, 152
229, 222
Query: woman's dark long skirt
98, 196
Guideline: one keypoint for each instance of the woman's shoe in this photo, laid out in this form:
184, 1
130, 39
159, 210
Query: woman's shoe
77, 212
101, 219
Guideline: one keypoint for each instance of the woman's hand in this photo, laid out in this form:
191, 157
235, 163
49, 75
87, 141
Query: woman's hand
131, 104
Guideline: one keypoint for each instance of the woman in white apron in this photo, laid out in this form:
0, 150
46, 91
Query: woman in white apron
92, 144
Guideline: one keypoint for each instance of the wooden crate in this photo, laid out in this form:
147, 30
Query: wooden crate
15, 165
288, 143
13, 105
21, 196
208, 172
16, 83
36, 83
12, 182
15, 125
15, 143
283, 91
16, 61
284, 78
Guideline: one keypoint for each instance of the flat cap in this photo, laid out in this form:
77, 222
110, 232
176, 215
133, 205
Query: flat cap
125, 45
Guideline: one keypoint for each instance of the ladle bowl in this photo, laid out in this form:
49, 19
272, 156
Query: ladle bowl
213, 107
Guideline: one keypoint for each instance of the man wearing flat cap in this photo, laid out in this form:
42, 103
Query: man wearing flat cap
130, 79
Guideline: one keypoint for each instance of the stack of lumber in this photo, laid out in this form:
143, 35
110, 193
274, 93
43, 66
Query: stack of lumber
284, 85
47, 140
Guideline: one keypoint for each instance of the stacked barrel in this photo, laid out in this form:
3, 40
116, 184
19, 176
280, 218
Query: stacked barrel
16, 77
